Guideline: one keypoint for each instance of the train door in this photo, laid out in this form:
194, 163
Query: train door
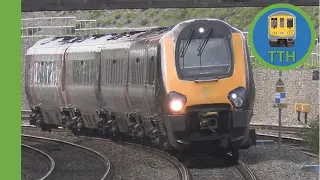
114, 80
137, 78
281, 25
151, 74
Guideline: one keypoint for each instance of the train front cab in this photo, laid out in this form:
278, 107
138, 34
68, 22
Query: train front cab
282, 29
209, 85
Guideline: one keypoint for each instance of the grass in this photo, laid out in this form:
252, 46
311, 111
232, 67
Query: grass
239, 17
311, 136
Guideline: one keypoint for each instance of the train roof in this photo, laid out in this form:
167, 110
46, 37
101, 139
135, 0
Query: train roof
279, 13
64, 42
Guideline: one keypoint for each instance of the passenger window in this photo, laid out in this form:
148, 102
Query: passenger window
274, 22
45, 73
290, 22
282, 22
114, 73
83, 72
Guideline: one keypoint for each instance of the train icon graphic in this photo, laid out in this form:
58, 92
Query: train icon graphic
282, 29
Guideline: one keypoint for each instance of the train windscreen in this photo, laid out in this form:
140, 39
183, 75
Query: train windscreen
290, 22
282, 22
273, 22
212, 58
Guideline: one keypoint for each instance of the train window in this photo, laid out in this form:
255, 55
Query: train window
45, 73
281, 22
114, 73
83, 72
290, 22
274, 22
215, 58
137, 71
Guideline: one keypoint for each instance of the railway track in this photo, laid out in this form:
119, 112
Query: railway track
245, 171
285, 129
183, 171
184, 174
44, 156
70, 159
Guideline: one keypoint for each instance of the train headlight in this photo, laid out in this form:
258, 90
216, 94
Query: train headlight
176, 101
201, 30
237, 97
238, 102
176, 105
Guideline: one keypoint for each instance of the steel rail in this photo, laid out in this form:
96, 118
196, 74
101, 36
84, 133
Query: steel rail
46, 156
184, 174
109, 172
275, 127
245, 171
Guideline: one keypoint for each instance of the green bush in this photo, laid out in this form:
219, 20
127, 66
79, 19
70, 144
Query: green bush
117, 16
143, 22
311, 137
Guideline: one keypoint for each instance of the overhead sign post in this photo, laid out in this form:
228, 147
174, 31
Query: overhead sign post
280, 97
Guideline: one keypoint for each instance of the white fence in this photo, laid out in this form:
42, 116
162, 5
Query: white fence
64, 26
55, 26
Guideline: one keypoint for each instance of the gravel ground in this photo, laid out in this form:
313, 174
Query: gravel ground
213, 168
267, 163
33, 166
71, 163
128, 163
264, 161
217, 174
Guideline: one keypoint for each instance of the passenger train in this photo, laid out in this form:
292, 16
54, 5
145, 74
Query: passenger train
175, 87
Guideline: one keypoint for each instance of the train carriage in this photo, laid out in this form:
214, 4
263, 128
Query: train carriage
43, 80
174, 87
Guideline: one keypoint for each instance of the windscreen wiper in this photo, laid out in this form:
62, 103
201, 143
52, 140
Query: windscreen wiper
186, 45
204, 42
